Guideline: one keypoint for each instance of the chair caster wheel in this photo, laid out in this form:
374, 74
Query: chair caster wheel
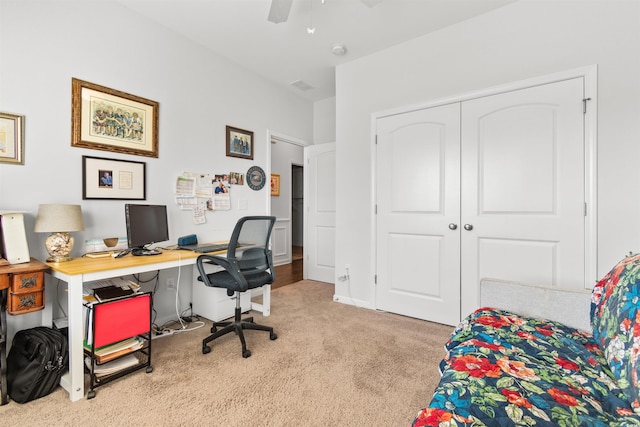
91, 394
214, 329
246, 353
273, 336
206, 349
149, 369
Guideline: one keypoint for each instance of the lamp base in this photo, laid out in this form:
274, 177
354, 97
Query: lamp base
59, 259
59, 246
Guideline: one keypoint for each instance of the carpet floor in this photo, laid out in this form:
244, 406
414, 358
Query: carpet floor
332, 365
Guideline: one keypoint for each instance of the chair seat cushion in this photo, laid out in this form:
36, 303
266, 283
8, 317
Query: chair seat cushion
223, 279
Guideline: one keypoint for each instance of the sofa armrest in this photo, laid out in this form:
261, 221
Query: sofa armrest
568, 306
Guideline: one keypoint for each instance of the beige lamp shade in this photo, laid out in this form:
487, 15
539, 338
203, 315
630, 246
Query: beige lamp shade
59, 220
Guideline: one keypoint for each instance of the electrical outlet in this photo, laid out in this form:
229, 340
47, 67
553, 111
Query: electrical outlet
171, 283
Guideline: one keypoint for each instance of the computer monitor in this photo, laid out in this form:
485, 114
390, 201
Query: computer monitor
146, 224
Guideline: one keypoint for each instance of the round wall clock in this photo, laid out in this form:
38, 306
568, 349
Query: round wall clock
256, 178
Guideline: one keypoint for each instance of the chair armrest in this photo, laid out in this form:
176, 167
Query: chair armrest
229, 264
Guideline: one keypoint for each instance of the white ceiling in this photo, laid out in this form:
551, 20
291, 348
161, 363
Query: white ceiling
285, 52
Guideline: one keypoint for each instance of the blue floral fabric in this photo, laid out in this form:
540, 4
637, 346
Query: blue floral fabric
615, 320
502, 369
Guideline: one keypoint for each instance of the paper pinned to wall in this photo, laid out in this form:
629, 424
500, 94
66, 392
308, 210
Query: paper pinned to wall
202, 192
198, 215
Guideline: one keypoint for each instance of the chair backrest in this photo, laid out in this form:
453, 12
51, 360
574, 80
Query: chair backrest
249, 244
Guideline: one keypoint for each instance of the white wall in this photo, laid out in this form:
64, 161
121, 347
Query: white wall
43, 44
526, 39
324, 121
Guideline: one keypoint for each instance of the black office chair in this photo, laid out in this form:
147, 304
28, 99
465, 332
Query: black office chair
248, 265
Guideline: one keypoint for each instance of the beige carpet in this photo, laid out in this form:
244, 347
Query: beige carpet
332, 365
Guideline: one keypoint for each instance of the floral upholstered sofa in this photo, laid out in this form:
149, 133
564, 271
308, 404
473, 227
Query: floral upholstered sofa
504, 369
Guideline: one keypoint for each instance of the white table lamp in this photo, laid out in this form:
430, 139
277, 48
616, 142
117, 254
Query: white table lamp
59, 220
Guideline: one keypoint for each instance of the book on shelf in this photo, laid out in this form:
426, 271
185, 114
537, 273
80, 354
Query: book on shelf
112, 351
112, 292
113, 366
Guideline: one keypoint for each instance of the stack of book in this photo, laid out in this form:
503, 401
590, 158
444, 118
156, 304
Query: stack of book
112, 351
113, 366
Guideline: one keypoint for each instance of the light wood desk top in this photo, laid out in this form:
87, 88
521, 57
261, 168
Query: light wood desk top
84, 265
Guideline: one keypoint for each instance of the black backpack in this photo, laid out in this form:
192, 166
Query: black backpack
37, 360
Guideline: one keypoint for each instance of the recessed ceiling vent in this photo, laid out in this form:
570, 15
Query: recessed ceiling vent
299, 84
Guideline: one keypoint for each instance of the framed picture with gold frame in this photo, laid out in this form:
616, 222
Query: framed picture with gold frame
275, 184
11, 138
111, 120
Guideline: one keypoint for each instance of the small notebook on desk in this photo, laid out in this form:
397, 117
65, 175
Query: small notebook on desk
111, 292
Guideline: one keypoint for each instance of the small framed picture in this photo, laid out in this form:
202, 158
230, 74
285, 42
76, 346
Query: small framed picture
239, 143
11, 138
113, 179
275, 184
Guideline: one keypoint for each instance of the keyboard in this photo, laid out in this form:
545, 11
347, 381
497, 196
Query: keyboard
212, 248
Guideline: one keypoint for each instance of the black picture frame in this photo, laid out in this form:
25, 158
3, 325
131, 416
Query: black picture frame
239, 143
112, 179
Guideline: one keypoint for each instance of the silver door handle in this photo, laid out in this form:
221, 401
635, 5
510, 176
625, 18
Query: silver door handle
468, 227
453, 226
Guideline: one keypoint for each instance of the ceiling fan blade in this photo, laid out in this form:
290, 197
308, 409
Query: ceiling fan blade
371, 3
279, 11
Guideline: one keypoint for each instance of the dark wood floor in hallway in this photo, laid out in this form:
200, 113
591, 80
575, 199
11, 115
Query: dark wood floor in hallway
289, 273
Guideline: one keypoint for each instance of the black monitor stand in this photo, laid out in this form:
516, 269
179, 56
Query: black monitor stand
145, 251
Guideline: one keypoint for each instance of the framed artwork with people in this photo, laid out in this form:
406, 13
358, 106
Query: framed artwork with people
111, 120
239, 143
113, 179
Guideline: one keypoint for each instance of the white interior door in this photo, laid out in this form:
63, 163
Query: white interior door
320, 212
418, 209
523, 188
491, 187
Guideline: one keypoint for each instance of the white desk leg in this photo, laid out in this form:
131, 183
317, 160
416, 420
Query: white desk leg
265, 307
73, 381
266, 300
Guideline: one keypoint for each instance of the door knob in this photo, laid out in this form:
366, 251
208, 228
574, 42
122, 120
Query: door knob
453, 226
468, 227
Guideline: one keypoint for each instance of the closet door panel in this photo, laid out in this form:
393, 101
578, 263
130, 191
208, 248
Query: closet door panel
418, 197
523, 188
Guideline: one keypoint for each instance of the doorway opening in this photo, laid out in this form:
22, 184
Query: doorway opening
293, 271
297, 213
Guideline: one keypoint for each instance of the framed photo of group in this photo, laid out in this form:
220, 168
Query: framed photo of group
113, 179
239, 143
11, 138
111, 120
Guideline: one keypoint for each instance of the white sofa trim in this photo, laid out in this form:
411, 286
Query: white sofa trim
569, 306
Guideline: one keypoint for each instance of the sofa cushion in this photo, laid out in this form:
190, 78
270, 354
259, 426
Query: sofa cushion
615, 319
503, 370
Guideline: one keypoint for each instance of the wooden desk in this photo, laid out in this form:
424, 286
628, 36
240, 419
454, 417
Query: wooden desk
80, 270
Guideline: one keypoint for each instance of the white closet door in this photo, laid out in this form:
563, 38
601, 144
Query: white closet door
418, 208
320, 212
523, 188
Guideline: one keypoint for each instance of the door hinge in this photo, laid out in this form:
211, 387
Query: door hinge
585, 209
375, 279
584, 105
376, 140
375, 209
